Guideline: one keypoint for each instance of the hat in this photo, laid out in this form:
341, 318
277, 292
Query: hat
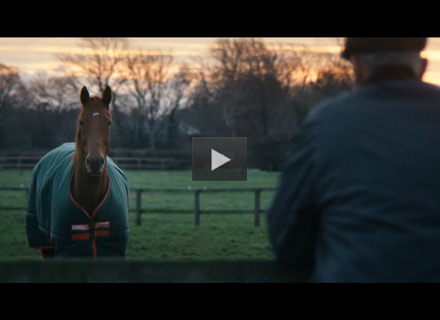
370, 45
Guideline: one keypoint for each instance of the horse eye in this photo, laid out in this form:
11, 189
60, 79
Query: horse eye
109, 123
81, 123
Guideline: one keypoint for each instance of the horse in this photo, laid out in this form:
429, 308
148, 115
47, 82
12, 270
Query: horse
79, 198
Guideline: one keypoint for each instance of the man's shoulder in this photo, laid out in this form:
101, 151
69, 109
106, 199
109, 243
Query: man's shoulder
332, 105
347, 102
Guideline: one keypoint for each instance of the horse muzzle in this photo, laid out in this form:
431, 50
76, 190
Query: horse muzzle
95, 166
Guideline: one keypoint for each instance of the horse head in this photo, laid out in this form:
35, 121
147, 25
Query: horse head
93, 131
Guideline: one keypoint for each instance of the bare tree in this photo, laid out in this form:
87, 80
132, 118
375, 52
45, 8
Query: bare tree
55, 92
245, 74
148, 75
10, 83
229, 56
179, 96
331, 76
99, 64
11, 90
263, 90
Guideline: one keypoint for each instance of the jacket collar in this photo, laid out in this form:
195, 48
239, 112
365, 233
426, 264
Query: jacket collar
386, 73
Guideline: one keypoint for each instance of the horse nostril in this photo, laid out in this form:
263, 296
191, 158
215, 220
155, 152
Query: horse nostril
95, 165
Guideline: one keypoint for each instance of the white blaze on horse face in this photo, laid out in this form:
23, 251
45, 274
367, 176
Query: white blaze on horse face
95, 114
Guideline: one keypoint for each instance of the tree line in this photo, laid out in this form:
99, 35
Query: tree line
244, 88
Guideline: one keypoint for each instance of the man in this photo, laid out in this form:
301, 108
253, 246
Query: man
359, 197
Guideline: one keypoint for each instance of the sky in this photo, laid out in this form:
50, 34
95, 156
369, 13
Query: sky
33, 55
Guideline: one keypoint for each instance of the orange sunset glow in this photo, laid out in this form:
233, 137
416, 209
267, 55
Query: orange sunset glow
38, 55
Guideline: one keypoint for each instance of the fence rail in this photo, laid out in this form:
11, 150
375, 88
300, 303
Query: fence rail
18, 162
257, 210
196, 195
138, 163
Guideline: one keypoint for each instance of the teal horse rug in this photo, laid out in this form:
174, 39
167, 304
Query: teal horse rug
55, 220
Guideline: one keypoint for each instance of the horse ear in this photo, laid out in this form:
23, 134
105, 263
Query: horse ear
107, 96
84, 95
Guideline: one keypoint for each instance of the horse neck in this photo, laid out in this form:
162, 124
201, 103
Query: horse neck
88, 191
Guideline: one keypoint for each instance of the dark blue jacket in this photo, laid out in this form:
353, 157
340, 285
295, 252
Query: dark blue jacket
359, 197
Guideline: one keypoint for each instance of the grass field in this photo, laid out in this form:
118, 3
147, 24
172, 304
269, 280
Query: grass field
163, 235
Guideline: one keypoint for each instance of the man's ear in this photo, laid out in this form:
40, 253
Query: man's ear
423, 67
107, 96
360, 74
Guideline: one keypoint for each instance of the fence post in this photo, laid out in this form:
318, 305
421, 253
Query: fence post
197, 207
138, 207
257, 208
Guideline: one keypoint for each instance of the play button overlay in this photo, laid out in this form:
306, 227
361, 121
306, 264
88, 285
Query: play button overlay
219, 159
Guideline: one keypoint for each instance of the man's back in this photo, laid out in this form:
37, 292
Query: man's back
372, 187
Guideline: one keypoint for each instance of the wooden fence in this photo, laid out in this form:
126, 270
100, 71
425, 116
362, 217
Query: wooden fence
257, 210
137, 163
18, 162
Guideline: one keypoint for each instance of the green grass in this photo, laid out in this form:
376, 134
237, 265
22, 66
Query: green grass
163, 235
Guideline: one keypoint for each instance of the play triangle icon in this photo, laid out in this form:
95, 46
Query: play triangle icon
218, 159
